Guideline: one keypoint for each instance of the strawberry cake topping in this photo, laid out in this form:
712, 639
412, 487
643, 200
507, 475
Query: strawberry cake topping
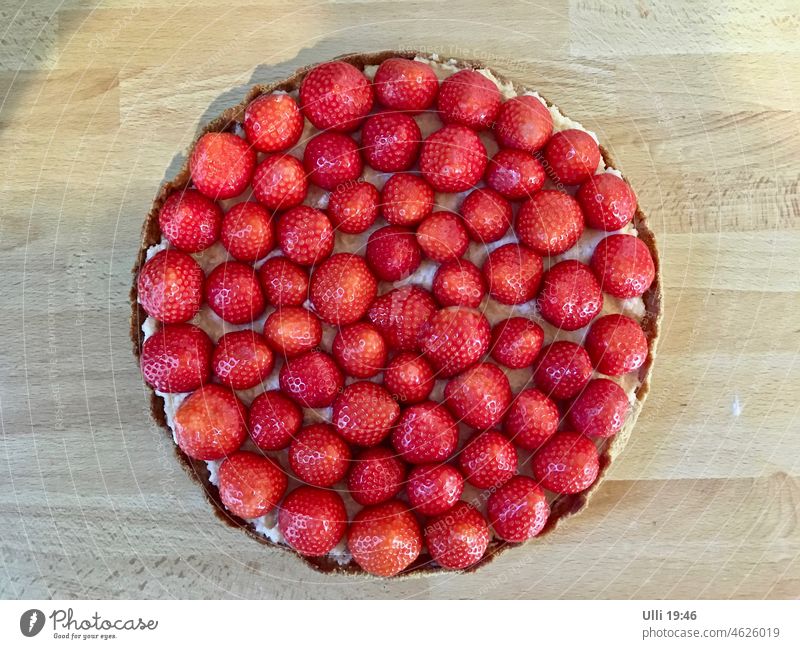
190, 221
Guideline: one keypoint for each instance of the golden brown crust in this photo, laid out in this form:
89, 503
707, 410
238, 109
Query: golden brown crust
564, 507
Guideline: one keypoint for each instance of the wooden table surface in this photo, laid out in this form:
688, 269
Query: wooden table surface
699, 105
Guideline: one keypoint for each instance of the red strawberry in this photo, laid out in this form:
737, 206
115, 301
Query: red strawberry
567, 464
251, 485
479, 396
459, 283
523, 123
454, 338
562, 369
284, 282
342, 289
210, 423
570, 297
458, 538
177, 358
305, 235
623, 265
292, 331
616, 344
402, 84
393, 253
572, 156
385, 539
280, 182
247, 231
516, 342
170, 286
409, 378
242, 359
313, 379
469, 98
513, 273
434, 488
376, 476
273, 122
400, 314
312, 520
189, 220
360, 350
518, 510
336, 96
442, 236
221, 165
364, 413
274, 420
318, 456
406, 199
332, 159
452, 159
390, 141
607, 201
425, 433
550, 223
515, 174
531, 419
234, 293
353, 208
600, 410
488, 460
486, 215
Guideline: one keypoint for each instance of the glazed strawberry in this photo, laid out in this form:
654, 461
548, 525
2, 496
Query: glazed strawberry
221, 165
425, 432
170, 286
377, 475
531, 419
280, 182
177, 358
479, 396
342, 289
623, 265
393, 253
247, 231
452, 159
234, 293
523, 123
284, 282
353, 208
409, 378
318, 456
458, 538
332, 160
518, 510
616, 344
486, 215
570, 297
251, 485
385, 539
274, 420
390, 141
360, 350
210, 423
516, 342
459, 283
364, 413
434, 488
567, 463
515, 174
572, 156
454, 338
406, 199
189, 220
313, 379
513, 273
242, 359
336, 96
400, 314
488, 460
292, 331
305, 235
550, 223
470, 99
562, 370
407, 85
442, 236
600, 410
607, 201
312, 520
273, 122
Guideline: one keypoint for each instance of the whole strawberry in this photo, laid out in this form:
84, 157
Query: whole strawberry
377, 475
513, 273
312, 520
515, 174
280, 182
273, 122
234, 293
251, 485
284, 282
518, 510
247, 231
572, 156
523, 123
364, 413
531, 419
353, 208
458, 538
562, 369
318, 456
390, 141
567, 463
469, 98
336, 96
600, 410
274, 420
623, 265
479, 396
488, 460
331, 160
305, 235
570, 297
434, 488
516, 342
210, 423
342, 289
406, 199
385, 539
393, 253
454, 338
459, 283
177, 358
425, 432
452, 159
312, 379
242, 359
189, 220
221, 165
170, 286
607, 201
409, 378
400, 315
360, 350
486, 215
616, 344
292, 331
550, 223
443, 237
402, 84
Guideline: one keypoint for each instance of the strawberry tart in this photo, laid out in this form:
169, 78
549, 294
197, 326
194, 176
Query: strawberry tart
397, 313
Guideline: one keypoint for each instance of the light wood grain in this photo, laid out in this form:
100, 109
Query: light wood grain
698, 104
